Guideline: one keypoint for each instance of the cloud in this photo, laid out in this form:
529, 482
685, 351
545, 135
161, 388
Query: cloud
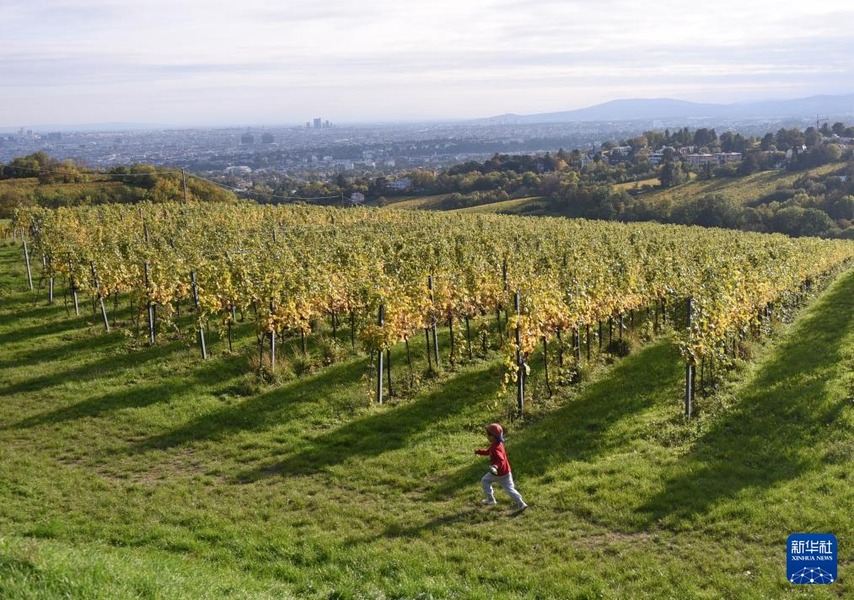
444, 58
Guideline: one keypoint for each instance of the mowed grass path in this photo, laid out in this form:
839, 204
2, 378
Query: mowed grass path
136, 472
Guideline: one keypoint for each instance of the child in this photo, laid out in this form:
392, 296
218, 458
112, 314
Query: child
499, 468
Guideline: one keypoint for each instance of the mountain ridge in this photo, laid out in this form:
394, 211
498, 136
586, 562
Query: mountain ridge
630, 109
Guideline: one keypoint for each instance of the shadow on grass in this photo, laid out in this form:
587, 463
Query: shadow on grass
256, 413
584, 427
776, 432
138, 396
135, 396
467, 515
59, 351
50, 324
392, 429
99, 368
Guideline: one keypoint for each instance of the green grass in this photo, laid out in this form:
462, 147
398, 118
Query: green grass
415, 202
515, 206
129, 471
742, 190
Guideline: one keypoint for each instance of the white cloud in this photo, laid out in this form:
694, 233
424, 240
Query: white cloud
403, 59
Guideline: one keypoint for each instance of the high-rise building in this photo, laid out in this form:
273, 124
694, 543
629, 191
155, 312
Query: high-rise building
318, 123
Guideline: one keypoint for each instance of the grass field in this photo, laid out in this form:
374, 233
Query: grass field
739, 189
129, 471
515, 206
742, 190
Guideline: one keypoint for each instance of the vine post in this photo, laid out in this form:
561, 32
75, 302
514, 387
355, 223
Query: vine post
27, 260
231, 327
150, 307
73, 285
546, 366
433, 326
97, 285
272, 340
520, 361
380, 322
202, 346
47, 268
690, 367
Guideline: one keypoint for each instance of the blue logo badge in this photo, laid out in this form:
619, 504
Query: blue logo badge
811, 558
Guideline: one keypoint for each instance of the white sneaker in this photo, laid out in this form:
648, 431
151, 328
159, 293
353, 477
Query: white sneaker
488, 502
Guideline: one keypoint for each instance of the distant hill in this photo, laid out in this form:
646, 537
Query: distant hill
833, 107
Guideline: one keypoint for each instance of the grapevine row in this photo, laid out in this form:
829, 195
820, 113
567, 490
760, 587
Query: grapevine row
294, 264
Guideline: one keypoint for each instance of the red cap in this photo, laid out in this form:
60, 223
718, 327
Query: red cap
496, 430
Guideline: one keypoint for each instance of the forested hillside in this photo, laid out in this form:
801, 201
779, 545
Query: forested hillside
39, 180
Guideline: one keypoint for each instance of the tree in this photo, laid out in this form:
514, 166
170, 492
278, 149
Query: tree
843, 209
655, 139
797, 221
812, 137
789, 138
671, 174
66, 171
29, 166
12, 198
733, 142
710, 211
768, 142
748, 165
705, 137
139, 175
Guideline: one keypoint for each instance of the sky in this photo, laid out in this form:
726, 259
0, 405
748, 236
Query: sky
277, 62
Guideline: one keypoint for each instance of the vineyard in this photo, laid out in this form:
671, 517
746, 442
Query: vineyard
133, 469
392, 277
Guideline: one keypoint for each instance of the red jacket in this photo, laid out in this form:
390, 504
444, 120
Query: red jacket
497, 456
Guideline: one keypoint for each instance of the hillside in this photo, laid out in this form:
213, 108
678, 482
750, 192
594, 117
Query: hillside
529, 206
807, 202
123, 185
135, 471
742, 190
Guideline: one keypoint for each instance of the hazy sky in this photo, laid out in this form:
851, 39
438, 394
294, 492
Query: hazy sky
210, 62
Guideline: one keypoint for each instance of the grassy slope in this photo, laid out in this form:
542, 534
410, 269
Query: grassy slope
130, 471
740, 189
514, 206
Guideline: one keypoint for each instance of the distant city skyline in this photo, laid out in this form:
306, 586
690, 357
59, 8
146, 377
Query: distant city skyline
212, 63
